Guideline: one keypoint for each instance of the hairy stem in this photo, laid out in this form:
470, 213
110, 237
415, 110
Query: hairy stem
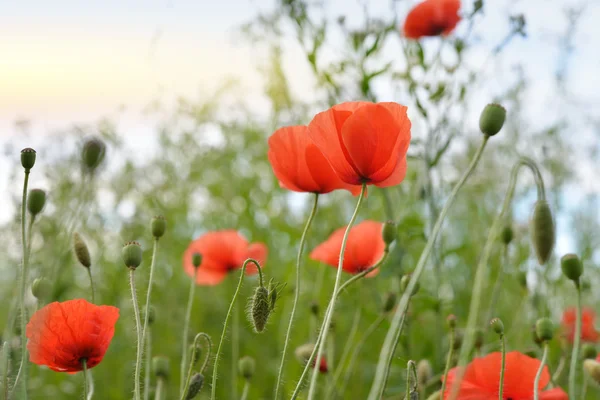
345, 353
502, 367
147, 367
246, 390
576, 343
138, 329
536, 382
191, 367
448, 359
160, 384
186, 328
89, 270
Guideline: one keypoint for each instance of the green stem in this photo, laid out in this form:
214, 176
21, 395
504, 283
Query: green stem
227, 318
585, 386
186, 328
536, 382
345, 352
138, 329
191, 367
393, 335
482, 266
502, 367
160, 384
147, 367
235, 350
85, 378
5, 367
246, 390
448, 360
147, 308
327, 321
576, 343
296, 292
89, 270
498, 284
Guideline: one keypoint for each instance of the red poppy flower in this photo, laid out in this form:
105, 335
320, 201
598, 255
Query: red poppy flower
432, 18
62, 335
364, 247
481, 380
364, 142
300, 166
588, 330
222, 252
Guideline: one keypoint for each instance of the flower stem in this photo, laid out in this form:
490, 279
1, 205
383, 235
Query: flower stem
138, 329
186, 328
448, 360
235, 350
536, 382
246, 390
502, 367
296, 293
576, 343
331, 308
89, 270
147, 308
345, 353
160, 384
5, 368
498, 284
147, 367
85, 378
393, 335
227, 318
191, 367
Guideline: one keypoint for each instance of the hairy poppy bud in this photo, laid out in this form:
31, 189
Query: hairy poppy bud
389, 232
36, 200
588, 350
314, 308
196, 384
93, 153
451, 321
158, 225
260, 309
492, 118
497, 326
246, 366
28, 158
41, 288
161, 367
542, 231
424, 372
544, 329
132, 255
592, 367
81, 251
389, 302
404, 284
571, 266
196, 259
507, 234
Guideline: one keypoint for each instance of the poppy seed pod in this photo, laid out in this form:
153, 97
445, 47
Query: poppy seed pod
389, 302
497, 326
544, 329
571, 266
196, 384
93, 153
260, 309
158, 225
196, 259
28, 158
41, 288
492, 119
36, 200
389, 232
507, 235
542, 231
246, 366
161, 367
424, 372
404, 284
588, 350
81, 251
132, 255
592, 367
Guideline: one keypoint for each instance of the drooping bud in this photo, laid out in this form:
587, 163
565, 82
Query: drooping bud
571, 266
542, 231
36, 200
507, 235
404, 284
424, 372
588, 350
161, 367
196, 259
158, 225
497, 326
451, 321
28, 158
492, 119
389, 302
544, 329
260, 309
389, 232
41, 288
592, 367
314, 308
81, 251
93, 153
196, 384
132, 255
246, 366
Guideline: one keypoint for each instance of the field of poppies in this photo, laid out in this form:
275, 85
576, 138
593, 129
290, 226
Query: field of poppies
357, 247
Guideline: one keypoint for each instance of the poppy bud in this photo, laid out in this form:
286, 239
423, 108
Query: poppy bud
588, 350
161, 367
314, 308
507, 234
571, 266
424, 372
544, 329
260, 309
81, 251
492, 118
195, 386
592, 367
389, 302
389, 232
497, 326
404, 284
246, 366
542, 231
36, 200
41, 288
196, 259
303, 352
478, 338
93, 153
28, 158
451, 321
132, 255
158, 225
458, 339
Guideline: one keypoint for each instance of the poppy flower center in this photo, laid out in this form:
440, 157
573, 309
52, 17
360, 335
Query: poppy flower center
436, 29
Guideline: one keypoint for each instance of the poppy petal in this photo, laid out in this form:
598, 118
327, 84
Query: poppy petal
327, 178
554, 394
397, 175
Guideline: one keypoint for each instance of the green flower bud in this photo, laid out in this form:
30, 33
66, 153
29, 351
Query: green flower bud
161, 367
571, 266
158, 225
507, 235
492, 118
592, 367
542, 231
36, 200
132, 255
28, 158
389, 232
246, 366
451, 321
497, 326
196, 259
196, 384
588, 350
41, 288
81, 251
544, 329
389, 302
404, 284
93, 153
260, 309
424, 373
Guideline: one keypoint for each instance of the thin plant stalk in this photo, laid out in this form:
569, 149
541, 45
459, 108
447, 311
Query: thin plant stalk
147, 308
6, 368
138, 329
576, 344
235, 351
393, 335
160, 385
93, 290
246, 390
330, 310
296, 292
85, 379
536, 382
448, 359
227, 318
498, 284
186, 328
585, 386
502, 367
345, 353
147, 367
191, 366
